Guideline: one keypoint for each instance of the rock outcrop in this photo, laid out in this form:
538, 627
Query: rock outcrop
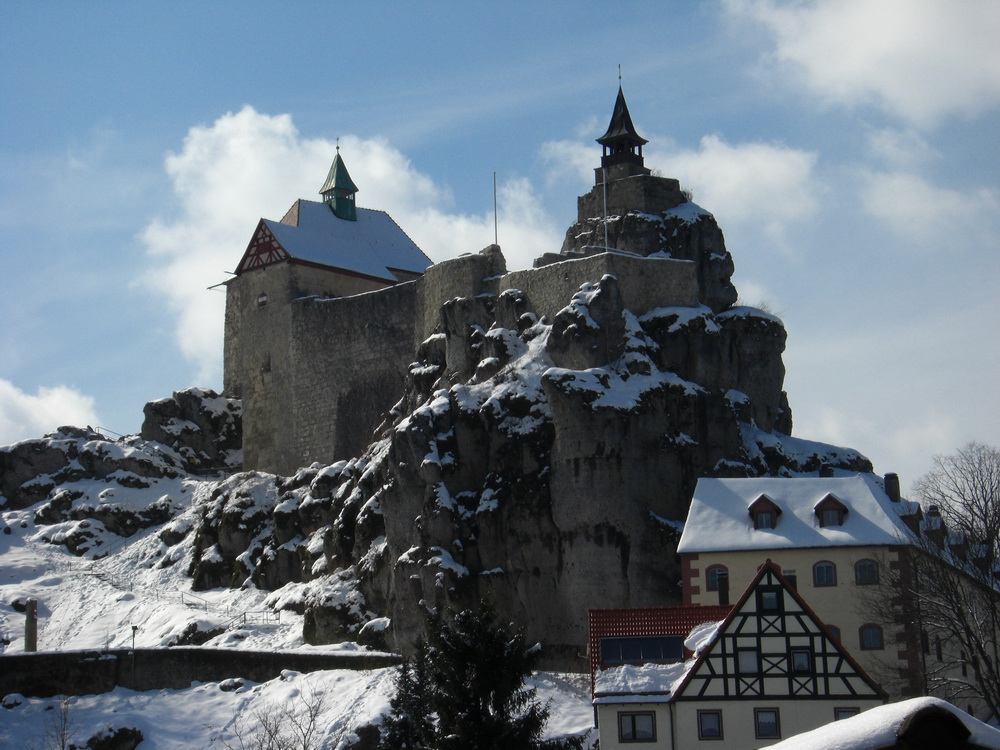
85, 486
543, 464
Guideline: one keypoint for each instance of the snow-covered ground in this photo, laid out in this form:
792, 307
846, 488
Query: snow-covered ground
85, 604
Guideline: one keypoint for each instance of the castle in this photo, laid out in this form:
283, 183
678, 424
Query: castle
329, 304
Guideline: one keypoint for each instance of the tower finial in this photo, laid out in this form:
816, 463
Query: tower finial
619, 75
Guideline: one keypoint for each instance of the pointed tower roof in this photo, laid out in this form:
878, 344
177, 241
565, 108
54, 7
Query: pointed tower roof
339, 189
621, 132
338, 177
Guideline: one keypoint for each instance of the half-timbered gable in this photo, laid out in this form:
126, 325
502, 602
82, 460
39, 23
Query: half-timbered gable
767, 670
773, 645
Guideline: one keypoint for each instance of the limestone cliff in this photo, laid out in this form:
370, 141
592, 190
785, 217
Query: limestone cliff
544, 462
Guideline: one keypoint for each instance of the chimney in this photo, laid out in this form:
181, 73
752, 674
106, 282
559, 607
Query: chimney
892, 486
723, 579
826, 471
792, 578
934, 526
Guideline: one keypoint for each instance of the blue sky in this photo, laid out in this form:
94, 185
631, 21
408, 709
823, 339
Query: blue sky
848, 150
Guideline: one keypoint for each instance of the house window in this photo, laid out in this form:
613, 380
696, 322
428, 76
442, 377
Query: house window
766, 723
801, 661
824, 574
871, 638
834, 631
830, 511
636, 727
710, 725
865, 572
712, 576
747, 661
663, 649
764, 513
769, 599
763, 520
845, 713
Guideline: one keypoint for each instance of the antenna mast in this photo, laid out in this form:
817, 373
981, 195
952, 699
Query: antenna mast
496, 241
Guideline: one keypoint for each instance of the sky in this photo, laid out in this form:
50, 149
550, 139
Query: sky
848, 150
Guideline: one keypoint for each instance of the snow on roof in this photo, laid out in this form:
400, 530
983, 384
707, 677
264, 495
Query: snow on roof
639, 683
879, 727
719, 520
371, 245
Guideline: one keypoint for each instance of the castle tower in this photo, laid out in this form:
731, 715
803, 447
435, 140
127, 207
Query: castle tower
293, 319
339, 189
631, 210
622, 155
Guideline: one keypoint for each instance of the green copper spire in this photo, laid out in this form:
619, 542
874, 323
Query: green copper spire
339, 189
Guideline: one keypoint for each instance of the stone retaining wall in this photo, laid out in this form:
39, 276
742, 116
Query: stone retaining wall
89, 672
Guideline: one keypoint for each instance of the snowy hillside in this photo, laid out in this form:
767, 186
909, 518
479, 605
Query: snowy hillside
94, 604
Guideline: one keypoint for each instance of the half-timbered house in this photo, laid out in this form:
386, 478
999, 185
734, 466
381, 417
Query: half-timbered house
769, 669
834, 537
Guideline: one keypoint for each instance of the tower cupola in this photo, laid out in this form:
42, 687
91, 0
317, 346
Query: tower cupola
622, 155
339, 189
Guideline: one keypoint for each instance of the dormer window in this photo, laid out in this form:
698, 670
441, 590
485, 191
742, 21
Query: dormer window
764, 513
830, 511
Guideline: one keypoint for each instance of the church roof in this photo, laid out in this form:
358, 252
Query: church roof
719, 519
621, 129
373, 246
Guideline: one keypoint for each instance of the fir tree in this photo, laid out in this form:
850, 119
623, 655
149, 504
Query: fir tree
467, 690
410, 723
479, 666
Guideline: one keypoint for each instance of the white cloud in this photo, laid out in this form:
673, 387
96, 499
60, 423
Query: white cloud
922, 213
248, 164
901, 149
24, 416
765, 185
920, 60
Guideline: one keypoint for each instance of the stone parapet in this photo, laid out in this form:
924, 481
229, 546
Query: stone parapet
645, 283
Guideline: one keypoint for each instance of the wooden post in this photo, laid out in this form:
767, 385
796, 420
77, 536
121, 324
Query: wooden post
31, 624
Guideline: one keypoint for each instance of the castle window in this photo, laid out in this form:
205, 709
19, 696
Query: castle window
840, 714
764, 513
871, 638
709, 725
712, 576
830, 511
261, 299
937, 649
834, 631
766, 723
866, 572
638, 727
824, 573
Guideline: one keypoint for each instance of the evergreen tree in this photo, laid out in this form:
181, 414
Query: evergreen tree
467, 692
479, 666
410, 723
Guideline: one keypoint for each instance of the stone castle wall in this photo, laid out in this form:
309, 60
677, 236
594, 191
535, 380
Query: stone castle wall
317, 374
643, 193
